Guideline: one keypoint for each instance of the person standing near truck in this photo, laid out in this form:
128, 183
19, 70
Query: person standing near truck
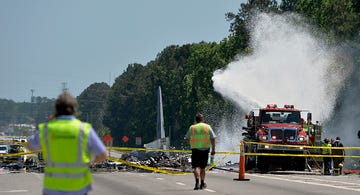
338, 161
326, 150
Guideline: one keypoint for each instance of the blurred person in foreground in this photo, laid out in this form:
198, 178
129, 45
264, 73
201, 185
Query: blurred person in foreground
67, 144
200, 135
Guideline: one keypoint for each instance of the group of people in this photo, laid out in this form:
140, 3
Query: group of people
333, 164
68, 172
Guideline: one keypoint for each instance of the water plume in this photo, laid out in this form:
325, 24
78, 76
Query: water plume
290, 63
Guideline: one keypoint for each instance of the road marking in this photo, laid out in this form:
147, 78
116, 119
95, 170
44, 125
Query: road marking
209, 190
179, 183
160, 178
13, 191
314, 181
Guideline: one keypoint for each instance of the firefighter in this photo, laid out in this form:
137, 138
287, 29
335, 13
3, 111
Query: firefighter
326, 160
200, 135
338, 161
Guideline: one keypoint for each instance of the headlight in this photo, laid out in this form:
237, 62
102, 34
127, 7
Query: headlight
301, 139
263, 137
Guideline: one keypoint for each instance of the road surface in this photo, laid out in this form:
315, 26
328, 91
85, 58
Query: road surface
219, 182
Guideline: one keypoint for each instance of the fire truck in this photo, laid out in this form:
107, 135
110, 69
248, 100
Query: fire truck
274, 128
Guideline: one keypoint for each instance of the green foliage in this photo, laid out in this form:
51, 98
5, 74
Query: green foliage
25, 112
92, 102
126, 113
339, 19
7, 111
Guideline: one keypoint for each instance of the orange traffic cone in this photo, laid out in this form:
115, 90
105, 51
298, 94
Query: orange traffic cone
242, 163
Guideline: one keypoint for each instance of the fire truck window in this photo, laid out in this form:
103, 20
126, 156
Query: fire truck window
291, 118
266, 118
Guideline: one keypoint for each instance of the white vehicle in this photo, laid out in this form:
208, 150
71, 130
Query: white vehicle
4, 149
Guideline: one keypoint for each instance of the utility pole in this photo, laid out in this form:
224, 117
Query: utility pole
32, 101
32, 95
64, 87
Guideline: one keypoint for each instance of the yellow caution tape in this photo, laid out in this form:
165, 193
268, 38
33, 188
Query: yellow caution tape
168, 171
147, 167
159, 150
221, 159
20, 153
301, 146
298, 155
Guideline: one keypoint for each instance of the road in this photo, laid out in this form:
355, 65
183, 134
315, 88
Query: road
219, 182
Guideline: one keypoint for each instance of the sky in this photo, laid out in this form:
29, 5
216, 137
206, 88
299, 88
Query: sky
46, 45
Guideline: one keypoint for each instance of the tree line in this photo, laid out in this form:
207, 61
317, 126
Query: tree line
184, 72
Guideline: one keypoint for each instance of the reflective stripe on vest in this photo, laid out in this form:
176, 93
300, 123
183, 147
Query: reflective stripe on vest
65, 175
66, 172
200, 136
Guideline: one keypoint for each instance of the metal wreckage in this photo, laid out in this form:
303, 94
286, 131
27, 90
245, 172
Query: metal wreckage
10, 163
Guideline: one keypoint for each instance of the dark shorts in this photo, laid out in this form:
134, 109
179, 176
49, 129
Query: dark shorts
199, 158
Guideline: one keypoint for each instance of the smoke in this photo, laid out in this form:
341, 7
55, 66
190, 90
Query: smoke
289, 64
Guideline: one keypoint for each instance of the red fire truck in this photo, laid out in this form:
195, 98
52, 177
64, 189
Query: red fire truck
273, 128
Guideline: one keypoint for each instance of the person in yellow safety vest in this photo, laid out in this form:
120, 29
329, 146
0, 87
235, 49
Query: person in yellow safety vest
326, 160
67, 144
200, 136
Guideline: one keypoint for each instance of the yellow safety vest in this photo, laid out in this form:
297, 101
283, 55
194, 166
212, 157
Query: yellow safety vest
326, 150
199, 136
64, 144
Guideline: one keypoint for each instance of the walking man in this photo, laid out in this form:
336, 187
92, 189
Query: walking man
200, 136
67, 143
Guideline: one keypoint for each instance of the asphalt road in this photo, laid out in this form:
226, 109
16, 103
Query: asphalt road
219, 182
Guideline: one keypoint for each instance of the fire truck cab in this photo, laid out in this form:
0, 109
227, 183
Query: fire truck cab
275, 126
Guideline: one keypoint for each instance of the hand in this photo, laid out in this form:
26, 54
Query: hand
212, 152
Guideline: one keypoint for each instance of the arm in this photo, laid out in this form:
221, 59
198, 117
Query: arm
33, 143
29, 147
212, 140
96, 146
100, 158
187, 136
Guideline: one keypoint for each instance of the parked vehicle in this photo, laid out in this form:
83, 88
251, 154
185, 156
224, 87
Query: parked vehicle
4, 149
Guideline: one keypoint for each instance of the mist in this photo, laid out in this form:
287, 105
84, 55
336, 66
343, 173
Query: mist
290, 63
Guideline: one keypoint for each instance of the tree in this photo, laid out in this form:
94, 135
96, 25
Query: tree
339, 19
92, 102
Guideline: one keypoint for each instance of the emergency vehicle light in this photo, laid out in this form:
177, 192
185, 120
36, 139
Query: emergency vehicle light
271, 106
289, 106
263, 137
